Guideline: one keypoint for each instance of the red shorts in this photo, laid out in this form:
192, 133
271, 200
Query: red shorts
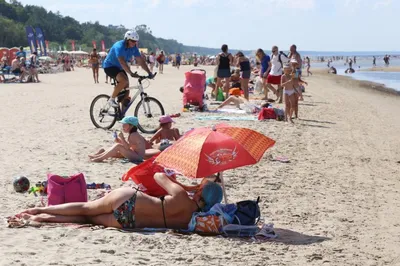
276, 80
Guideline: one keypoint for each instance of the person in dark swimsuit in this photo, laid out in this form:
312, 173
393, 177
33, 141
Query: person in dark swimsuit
129, 208
94, 61
245, 72
224, 62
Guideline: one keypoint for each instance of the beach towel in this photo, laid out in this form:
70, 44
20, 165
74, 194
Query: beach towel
230, 110
226, 118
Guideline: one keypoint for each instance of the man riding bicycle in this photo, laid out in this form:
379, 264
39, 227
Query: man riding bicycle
116, 63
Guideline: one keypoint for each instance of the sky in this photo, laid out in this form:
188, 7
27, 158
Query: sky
313, 25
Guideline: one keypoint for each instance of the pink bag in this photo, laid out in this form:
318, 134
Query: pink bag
195, 84
63, 190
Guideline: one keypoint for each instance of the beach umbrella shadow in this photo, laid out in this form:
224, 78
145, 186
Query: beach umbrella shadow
289, 237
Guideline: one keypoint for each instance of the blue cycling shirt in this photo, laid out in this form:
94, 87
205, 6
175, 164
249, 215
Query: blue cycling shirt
119, 50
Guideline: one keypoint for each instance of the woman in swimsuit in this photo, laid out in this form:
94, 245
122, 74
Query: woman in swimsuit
94, 61
245, 71
308, 65
289, 92
224, 62
166, 131
297, 85
129, 208
134, 149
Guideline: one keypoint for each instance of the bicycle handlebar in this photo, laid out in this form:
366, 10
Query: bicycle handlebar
135, 75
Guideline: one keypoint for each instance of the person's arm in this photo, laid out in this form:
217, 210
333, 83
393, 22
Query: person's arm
155, 137
124, 65
123, 141
302, 81
172, 188
284, 82
269, 66
143, 64
177, 134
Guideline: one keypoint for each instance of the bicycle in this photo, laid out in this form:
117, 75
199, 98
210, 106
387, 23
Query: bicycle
107, 115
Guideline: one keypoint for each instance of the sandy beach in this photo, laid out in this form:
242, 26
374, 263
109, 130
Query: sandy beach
336, 203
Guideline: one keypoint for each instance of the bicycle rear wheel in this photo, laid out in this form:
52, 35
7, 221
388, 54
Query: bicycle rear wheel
148, 112
101, 113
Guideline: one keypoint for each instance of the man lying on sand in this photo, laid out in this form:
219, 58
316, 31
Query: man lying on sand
129, 208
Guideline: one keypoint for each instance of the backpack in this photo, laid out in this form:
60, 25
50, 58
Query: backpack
66, 189
286, 58
247, 212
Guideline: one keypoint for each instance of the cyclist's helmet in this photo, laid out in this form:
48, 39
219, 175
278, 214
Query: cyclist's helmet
131, 35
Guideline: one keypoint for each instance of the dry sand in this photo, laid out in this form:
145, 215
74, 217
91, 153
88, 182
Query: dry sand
336, 203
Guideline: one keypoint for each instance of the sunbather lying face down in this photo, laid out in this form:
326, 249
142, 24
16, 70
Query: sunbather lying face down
128, 208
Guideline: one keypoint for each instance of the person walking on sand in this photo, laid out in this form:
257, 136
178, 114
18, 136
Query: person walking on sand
274, 76
224, 61
94, 62
178, 61
264, 71
296, 56
161, 60
245, 72
152, 61
308, 66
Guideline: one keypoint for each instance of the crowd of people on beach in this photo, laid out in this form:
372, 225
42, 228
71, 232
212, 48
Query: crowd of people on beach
22, 68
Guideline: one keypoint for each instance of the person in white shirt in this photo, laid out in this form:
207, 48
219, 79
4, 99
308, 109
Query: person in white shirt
275, 74
152, 61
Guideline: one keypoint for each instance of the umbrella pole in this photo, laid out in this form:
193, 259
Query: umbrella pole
223, 186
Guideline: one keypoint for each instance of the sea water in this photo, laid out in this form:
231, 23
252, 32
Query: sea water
389, 79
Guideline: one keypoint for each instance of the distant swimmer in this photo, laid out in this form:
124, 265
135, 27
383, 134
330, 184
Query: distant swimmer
374, 61
349, 71
332, 70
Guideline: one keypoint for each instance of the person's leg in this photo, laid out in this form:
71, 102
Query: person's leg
122, 83
104, 205
115, 152
230, 100
226, 87
97, 73
94, 73
295, 105
271, 88
265, 87
37, 75
97, 153
292, 99
244, 83
287, 107
280, 94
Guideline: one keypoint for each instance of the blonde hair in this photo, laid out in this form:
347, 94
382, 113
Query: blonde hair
260, 51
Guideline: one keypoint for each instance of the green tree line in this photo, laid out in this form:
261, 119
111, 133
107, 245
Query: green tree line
60, 30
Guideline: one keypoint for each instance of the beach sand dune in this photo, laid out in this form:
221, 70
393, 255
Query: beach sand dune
336, 203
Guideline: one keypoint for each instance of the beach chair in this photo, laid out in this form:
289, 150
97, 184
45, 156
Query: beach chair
194, 88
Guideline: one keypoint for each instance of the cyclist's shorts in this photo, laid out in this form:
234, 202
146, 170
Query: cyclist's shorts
113, 71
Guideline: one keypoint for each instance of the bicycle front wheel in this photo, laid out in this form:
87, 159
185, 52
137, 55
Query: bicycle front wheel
102, 114
148, 112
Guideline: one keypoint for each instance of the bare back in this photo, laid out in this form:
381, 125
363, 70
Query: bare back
137, 143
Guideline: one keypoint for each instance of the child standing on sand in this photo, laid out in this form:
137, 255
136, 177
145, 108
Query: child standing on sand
289, 92
166, 131
297, 82
133, 148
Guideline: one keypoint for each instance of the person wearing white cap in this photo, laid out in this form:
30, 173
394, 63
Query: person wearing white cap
133, 149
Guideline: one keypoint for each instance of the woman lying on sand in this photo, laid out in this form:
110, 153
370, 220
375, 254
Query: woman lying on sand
129, 208
134, 149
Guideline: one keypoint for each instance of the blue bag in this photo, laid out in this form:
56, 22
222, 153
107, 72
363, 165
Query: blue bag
247, 212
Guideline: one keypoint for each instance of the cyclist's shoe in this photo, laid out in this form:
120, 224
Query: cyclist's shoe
113, 103
151, 76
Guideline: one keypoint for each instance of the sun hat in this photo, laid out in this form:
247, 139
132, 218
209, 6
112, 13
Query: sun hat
131, 120
293, 60
287, 66
211, 194
165, 119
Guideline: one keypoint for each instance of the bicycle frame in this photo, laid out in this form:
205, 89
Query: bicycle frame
143, 95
